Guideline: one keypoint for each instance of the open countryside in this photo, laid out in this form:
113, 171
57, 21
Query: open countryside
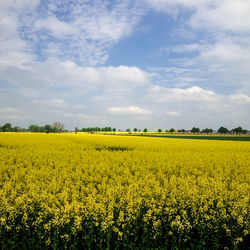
89, 191
124, 124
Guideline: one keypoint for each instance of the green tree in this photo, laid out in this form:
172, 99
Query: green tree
145, 130
222, 130
55, 130
47, 128
195, 130
34, 128
114, 129
16, 129
6, 127
237, 130
128, 130
159, 130
135, 130
171, 130
207, 130
42, 129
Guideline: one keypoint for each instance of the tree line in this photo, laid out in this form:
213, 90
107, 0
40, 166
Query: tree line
58, 127
195, 130
221, 130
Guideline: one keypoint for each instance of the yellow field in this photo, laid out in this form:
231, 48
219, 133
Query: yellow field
97, 191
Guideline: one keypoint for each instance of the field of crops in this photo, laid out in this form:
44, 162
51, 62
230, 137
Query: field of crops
96, 192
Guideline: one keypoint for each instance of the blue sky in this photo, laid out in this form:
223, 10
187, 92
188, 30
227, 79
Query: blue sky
125, 64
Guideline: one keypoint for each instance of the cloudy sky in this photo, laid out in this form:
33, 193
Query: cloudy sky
125, 63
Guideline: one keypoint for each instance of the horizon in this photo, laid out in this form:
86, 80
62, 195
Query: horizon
151, 64
131, 129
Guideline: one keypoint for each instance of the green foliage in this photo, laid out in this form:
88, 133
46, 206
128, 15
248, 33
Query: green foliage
237, 130
195, 130
6, 127
223, 130
207, 130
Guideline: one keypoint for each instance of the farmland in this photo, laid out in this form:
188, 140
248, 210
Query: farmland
103, 191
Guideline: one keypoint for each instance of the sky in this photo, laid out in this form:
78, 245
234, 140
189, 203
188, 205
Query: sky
125, 63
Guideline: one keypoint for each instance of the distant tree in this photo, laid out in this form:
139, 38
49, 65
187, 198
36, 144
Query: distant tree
58, 125
114, 129
106, 129
166, 130
16, 129
159, 130
128, 130
47, 128
139, 130
76, 130
34, 128
238, 130
195, 130
6, 127
207, 130
223, 130
244, 131
42, 129
135, 130
183, 130
145, 130
171, 130
1, 130
55, 130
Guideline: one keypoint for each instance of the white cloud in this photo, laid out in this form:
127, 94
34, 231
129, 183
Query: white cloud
91, 78
55, 103
131, 110
47, 57
8, 110
225, 51
9, 113
173, 113
84, 31
7, 117
230, 15
193, 94
24, 5
239, 99
56, 27
53, 73
77, 116
79, 106
92, 120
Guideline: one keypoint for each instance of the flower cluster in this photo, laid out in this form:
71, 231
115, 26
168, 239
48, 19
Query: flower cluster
97, 191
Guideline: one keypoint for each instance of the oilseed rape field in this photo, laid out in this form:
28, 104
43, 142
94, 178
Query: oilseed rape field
81, 191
